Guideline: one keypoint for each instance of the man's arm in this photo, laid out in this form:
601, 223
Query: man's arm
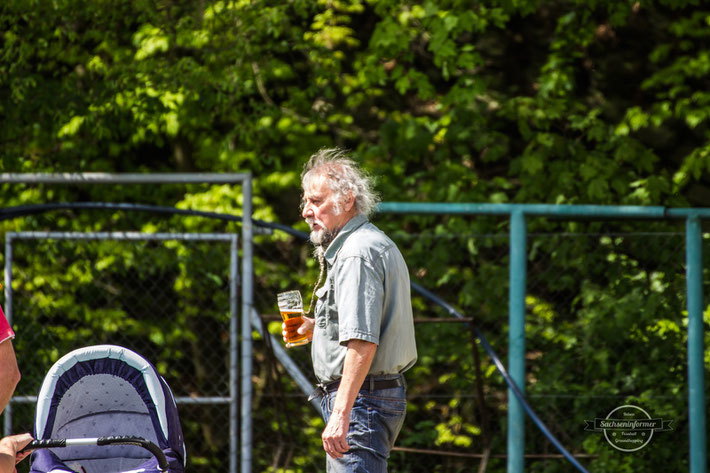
9, 373
358, 359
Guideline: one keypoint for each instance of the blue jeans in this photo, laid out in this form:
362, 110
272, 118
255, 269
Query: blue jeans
375, 421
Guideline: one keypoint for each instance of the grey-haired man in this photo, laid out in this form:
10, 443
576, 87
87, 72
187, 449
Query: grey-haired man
363, 330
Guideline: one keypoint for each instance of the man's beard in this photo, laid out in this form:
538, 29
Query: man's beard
323, 237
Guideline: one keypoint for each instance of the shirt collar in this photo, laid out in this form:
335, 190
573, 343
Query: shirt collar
353, 224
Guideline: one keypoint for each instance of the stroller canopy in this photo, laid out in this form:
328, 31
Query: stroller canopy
103, 391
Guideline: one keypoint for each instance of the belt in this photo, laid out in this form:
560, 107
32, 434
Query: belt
371, 383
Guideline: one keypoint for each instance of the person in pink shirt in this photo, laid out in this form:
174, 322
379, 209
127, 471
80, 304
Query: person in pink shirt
9, 371
10, 448
9, 377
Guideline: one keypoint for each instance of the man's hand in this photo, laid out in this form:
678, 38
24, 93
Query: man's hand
292, 327
335, 442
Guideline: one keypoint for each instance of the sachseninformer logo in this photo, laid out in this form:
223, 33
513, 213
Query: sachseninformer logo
628, 428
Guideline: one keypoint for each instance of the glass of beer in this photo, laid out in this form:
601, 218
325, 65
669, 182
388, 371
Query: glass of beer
291, 308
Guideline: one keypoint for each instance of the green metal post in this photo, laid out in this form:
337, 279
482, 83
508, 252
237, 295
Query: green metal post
696, 373
516, 341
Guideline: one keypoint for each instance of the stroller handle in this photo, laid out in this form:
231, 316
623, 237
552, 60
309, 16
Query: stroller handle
112, 440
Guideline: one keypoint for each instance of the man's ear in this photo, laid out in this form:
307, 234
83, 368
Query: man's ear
349, 202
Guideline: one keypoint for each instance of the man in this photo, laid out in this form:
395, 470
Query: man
363, 331
9, 372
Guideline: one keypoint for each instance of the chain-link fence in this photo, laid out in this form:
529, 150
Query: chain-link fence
604, 327
166, 297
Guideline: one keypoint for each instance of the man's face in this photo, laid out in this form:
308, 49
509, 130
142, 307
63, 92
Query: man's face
322, 212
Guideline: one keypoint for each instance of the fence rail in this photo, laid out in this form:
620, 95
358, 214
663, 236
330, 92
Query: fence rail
517, 214
520, 264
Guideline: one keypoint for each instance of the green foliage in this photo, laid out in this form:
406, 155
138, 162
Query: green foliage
575, 102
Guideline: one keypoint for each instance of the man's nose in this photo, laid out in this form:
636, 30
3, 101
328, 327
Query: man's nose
307, 211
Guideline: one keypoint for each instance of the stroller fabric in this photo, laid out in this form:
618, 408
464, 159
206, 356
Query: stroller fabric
100, 391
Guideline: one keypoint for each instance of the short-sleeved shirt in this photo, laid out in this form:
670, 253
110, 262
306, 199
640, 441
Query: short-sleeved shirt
6, 332
366, 296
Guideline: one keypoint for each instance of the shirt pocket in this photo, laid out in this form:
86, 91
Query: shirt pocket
326, 310
322, 305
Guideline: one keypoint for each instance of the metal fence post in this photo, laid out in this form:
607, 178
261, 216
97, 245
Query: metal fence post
247, 304
516, 341
8, 314
696, 389
233, 357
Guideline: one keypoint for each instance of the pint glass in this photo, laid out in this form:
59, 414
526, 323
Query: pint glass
291, 308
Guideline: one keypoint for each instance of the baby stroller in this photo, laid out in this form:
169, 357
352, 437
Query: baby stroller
96, 407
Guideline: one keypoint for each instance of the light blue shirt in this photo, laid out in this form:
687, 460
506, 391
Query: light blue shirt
366, 296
